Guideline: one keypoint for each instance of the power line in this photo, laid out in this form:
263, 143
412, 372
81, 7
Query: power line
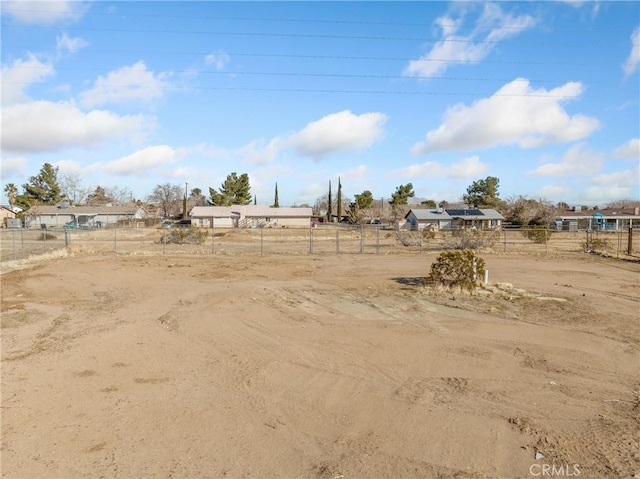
344, 57
299, 20
287, 35
318, 75
317, 90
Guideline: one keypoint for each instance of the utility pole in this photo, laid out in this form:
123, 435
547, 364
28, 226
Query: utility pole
184, 201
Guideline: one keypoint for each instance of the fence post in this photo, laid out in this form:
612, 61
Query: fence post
505, 240
337, 240
311, 238
66, 237
630, 241
14, 243
546, 241
377, 240
115, 238
44, 240
261, 240
213, 237
361, 239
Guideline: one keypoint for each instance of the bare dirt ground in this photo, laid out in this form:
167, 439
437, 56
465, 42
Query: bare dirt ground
336, 366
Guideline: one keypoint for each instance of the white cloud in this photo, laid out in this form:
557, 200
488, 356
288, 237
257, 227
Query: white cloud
218, 59
625, 178
605, 194
493, 26
47, 126
629, 151
144, 160
45, 12
558, 191
465, 168
517, 113
256, 152
633, 60
338, 132
576, 161
66, 44
12, 167
17, 77
128, 84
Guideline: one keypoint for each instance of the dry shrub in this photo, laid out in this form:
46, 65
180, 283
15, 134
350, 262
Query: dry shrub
537, 234
457, 268
472, 239
185, 236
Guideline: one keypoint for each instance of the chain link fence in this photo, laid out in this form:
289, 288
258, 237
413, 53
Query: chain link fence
323, 239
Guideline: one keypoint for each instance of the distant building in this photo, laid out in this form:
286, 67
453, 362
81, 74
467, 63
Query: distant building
58, 216
609, 219
6, 213
447, 218
250, 216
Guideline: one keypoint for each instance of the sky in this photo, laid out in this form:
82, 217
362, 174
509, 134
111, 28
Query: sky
543, 95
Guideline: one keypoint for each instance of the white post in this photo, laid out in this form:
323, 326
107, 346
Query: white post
486, 277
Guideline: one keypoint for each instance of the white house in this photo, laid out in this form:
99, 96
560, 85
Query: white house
446, 218
58, 216
249, 216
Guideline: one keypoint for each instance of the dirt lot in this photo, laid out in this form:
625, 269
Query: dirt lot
327, 366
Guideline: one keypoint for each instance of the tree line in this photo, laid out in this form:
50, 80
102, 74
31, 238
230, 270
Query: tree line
47, 187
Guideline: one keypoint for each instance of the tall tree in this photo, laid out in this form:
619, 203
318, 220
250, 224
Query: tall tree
168, 196
483, 193
71, 185
11, 191
329, 205
276, 200
41, 189
339, 200
400, 198
100, 196
428, 203
358, 209
234, 191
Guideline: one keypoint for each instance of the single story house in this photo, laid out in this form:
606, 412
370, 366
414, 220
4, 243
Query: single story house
420, 219
6, 213
609, 219
446, 218
90, 216
250, 216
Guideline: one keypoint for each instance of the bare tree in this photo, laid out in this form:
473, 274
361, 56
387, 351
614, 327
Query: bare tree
169, 197
72, 188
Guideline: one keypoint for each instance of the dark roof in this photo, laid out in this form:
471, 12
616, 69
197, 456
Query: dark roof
464, 212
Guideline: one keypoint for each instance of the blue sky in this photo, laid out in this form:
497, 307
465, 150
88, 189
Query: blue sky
543, 95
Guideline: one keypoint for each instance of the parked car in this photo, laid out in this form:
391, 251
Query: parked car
70, 225
183, 223
166, 224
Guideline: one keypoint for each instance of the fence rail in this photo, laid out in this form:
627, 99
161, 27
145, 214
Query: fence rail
18, 244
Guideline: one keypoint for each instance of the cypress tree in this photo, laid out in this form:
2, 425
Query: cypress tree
276, 202
339, 200
329, 204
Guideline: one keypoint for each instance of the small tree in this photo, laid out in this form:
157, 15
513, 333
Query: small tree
11, 191
276, 200
41, 189
400, 198
461, 268
168, 196
483, 193
234, 191
428, 204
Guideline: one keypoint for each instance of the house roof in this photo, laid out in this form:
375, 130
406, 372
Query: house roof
87, 210
260, 211
469, 214
429, 215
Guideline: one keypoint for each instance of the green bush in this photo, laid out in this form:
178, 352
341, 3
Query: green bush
537, 234
186, 236
47, 236
461, 268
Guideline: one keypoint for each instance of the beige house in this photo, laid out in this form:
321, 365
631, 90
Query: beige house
81, 216
6, 214
250, 216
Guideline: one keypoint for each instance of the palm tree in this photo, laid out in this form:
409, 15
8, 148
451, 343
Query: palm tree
11, 191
